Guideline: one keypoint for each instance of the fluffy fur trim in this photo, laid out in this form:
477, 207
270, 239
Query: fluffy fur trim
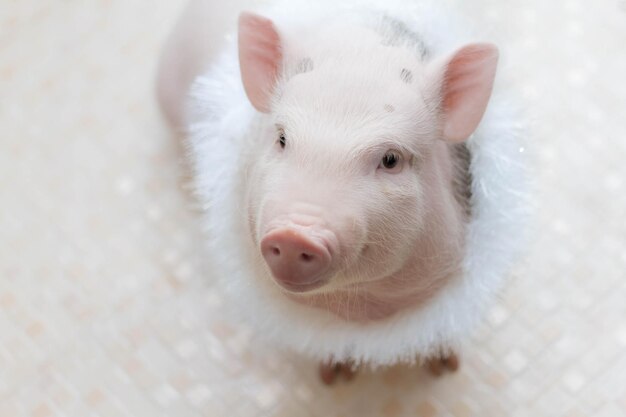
221, 117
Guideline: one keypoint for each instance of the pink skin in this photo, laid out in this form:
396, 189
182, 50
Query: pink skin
188, 51
376, 240
337, 228
413, 267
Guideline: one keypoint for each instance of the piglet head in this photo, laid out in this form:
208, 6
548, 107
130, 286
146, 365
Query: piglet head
343, 176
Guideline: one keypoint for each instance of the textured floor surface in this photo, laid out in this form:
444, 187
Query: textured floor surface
106, 306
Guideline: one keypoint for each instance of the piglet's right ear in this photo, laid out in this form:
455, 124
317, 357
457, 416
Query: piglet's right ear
467, 80
259, 58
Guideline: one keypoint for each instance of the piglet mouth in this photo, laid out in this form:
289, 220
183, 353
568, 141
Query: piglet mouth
298, 287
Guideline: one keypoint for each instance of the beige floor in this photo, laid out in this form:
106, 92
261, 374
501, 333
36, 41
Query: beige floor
106, 308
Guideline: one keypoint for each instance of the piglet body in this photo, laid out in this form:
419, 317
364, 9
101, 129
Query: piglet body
329, 147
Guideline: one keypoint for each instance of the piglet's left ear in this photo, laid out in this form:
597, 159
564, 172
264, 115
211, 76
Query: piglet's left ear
259, 58
466, 84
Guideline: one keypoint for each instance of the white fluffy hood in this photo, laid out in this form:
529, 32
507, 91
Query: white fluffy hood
495, 234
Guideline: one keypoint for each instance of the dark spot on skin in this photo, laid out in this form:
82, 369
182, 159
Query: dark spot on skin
389, 108
396, 33
304, 65
406, 75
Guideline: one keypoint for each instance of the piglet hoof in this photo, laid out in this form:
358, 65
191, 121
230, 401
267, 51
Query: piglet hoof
438, 364
329, 372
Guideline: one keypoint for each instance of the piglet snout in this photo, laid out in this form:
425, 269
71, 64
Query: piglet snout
297, 261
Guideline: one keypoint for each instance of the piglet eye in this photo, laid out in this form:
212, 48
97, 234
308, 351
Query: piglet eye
282, 140
391, 161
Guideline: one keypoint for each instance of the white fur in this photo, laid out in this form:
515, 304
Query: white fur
222, 116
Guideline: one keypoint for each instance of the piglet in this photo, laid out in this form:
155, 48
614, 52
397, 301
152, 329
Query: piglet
329, 146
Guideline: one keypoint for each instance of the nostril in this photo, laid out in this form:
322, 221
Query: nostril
276, 251
306, 257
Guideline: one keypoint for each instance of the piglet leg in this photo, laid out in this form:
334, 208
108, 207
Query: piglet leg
330, 371
438, 364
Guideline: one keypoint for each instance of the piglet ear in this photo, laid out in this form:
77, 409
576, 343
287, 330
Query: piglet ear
259, 58
465, 89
